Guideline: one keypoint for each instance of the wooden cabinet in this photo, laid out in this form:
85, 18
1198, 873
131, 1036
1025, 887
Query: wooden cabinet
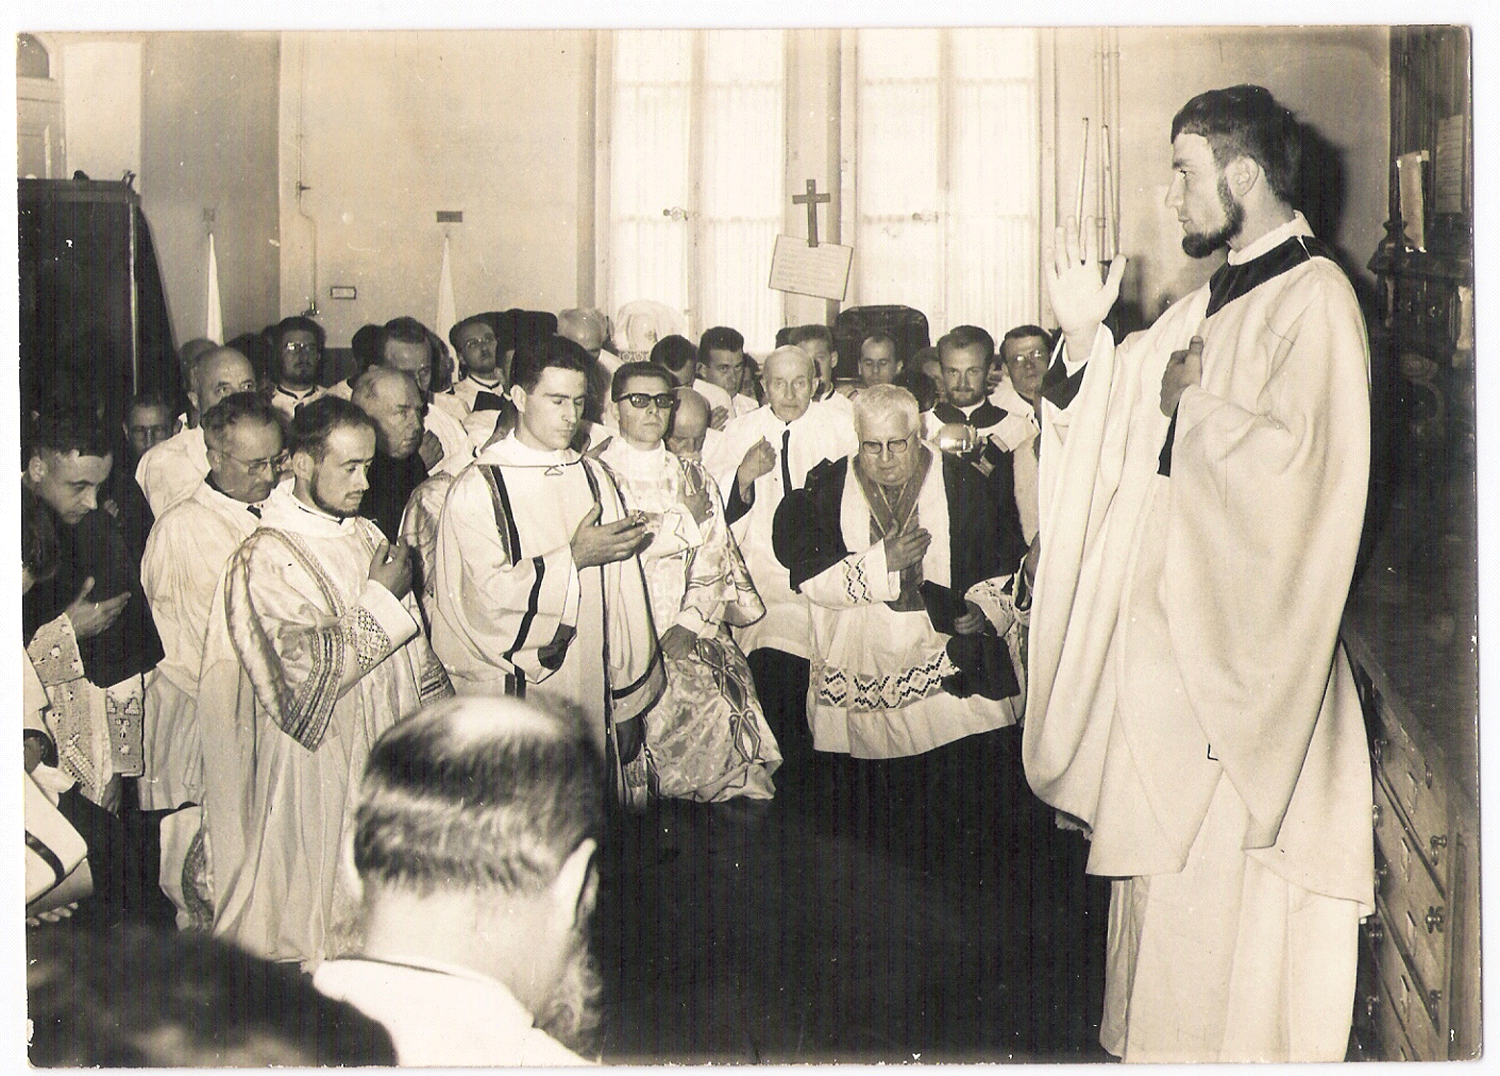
1411, 626
1419, 992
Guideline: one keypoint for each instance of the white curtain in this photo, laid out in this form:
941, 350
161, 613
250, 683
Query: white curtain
695, 163
947, 176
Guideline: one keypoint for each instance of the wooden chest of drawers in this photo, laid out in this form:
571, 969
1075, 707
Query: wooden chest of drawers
1419, 988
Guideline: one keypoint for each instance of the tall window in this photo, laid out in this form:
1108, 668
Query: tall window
947, 175
695, 174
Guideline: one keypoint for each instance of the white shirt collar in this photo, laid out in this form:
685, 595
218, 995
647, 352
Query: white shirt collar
1271, 240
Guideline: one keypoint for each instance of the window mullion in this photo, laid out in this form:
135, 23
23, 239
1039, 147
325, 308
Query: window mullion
695, 222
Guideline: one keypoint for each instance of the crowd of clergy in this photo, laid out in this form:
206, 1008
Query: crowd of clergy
726, 573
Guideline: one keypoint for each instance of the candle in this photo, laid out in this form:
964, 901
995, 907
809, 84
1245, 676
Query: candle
1109, 241
1083, 164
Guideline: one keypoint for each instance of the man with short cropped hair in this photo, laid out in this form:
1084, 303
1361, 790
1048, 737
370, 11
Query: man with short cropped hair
477, 826
171, 470
314, 648
97, 668
404, 345
391, 399
878, 362
721, 372
537, 592
297, 360
185, 556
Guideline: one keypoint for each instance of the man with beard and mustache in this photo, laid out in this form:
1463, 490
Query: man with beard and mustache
392, 401
313, 650
474, 843
298, 355
1203, 489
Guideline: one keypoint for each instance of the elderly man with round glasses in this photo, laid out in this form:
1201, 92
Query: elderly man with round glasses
907, 562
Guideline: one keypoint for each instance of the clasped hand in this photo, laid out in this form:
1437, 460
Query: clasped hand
391, 568
1184, 368
906, 548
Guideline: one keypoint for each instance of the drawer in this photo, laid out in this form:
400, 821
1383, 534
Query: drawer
1417, 783
1405, 995
1416, 909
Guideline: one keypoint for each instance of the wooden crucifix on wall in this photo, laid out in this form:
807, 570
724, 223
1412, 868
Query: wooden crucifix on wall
812, 199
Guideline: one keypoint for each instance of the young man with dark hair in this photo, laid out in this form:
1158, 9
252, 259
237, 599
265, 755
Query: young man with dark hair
313, 649
878, 362
537, 592
476, 831
817, 341
1203, 489
721, 374
96, 675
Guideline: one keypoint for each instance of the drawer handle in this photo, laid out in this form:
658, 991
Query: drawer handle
1435, 918
1437, 842
1378, 746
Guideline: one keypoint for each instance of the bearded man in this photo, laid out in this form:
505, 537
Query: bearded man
313, 650
1202, 495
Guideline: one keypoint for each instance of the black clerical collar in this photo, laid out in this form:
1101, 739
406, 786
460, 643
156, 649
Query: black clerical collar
983, 416
282, 390
488, 386
1231, 282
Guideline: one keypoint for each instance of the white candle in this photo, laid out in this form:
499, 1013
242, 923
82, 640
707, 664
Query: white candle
1083, 164
1109, 241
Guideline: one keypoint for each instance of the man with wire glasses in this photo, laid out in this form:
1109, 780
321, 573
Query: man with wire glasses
906, 560
185, 555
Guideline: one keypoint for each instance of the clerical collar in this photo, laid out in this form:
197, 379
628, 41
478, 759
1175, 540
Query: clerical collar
488, 386
282, 390
511, 451
1271, 240
625, 457
252, 508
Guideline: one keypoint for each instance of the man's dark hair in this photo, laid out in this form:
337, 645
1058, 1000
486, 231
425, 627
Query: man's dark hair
472, 319
297, 323
1246, 121
64, 432
534, 356
1026, 332
314, 422
880, 336
238, 407
630, 370
720, 338
966, 336
473, 793
405, 330
674, 352
39, 548
139, 998
367, 343
801, 334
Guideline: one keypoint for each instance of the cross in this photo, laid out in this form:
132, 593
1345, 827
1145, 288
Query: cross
812, 199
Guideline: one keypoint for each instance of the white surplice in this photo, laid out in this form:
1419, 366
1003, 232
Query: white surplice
306, 662
511, 612
824, 431
185, 555
1187, 698
171, 470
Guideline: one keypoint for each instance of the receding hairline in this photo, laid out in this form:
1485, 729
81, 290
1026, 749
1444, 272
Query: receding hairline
789, 352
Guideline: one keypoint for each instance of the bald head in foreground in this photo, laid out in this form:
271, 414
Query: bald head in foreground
474, 842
